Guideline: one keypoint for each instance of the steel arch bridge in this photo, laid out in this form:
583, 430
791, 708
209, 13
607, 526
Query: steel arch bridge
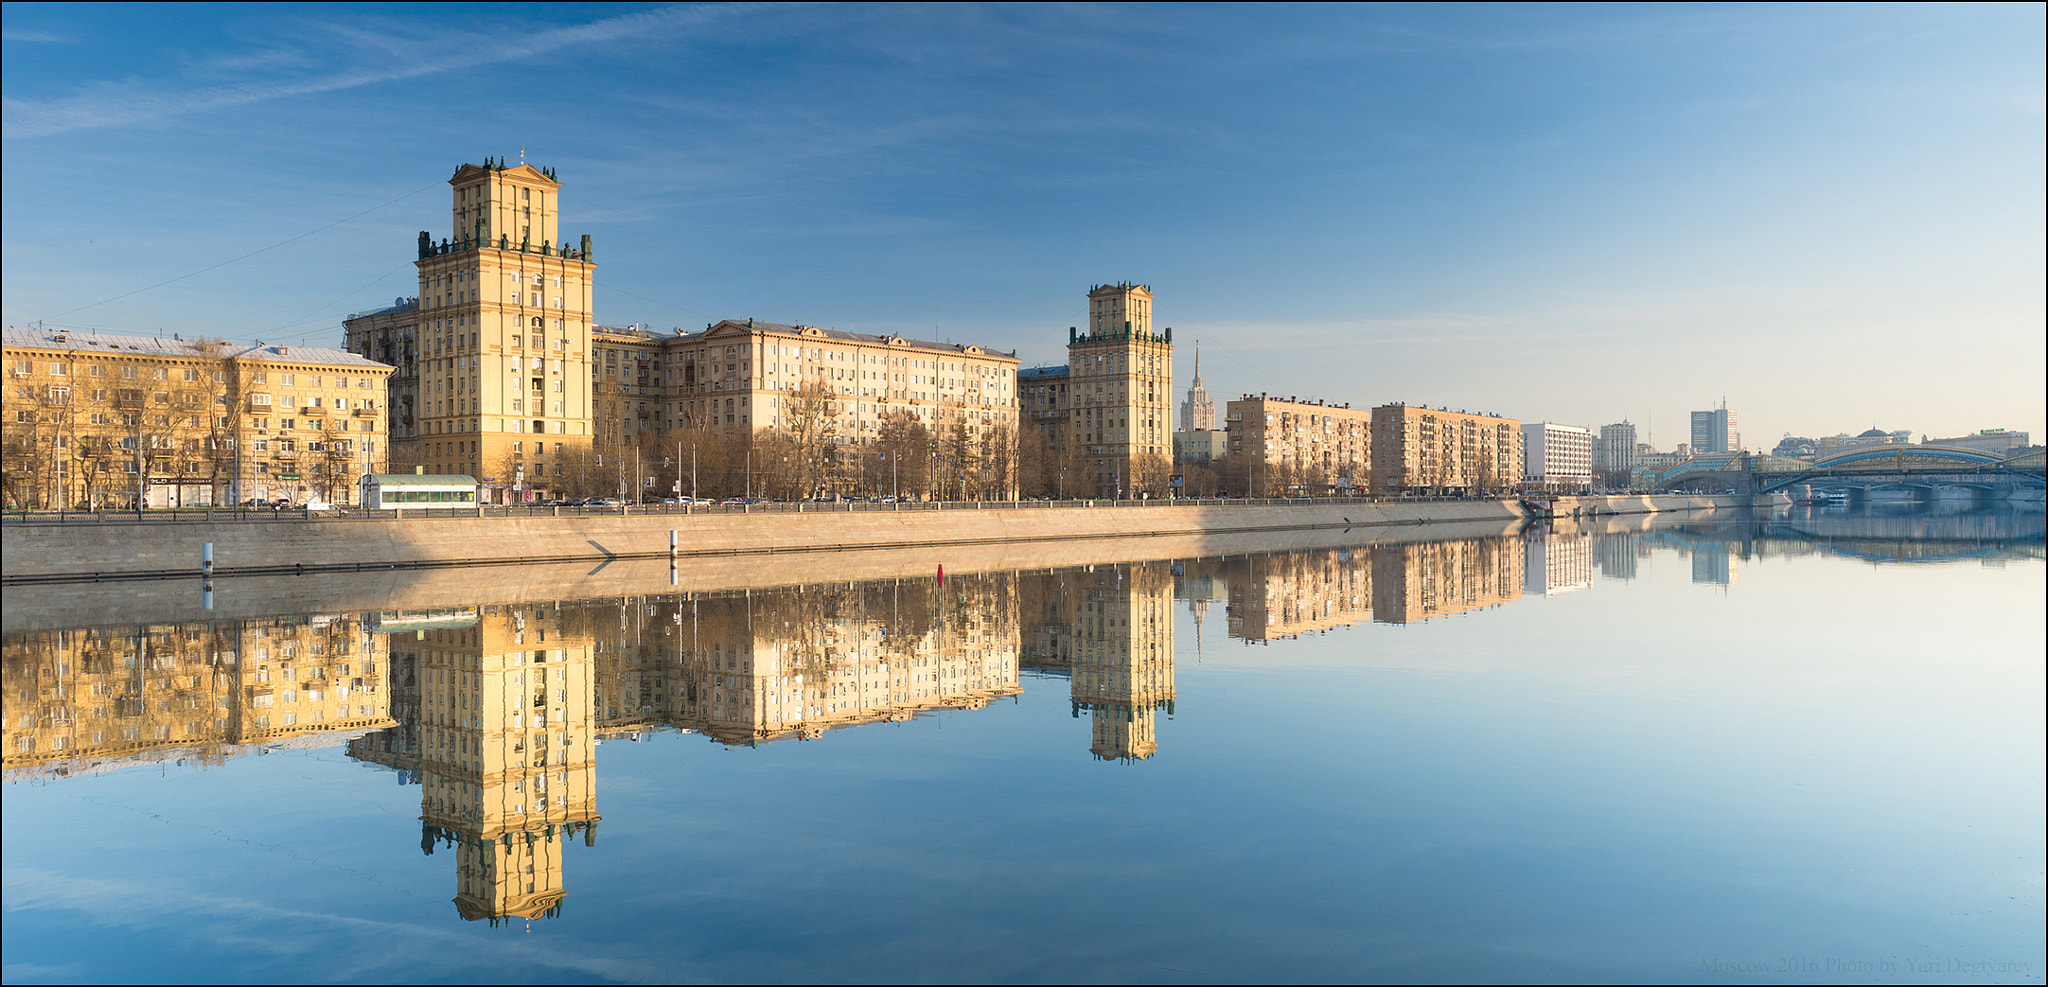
1747, 474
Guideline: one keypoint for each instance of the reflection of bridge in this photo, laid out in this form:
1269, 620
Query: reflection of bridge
1748, 475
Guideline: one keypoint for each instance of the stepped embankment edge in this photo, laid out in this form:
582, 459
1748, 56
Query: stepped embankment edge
127, 550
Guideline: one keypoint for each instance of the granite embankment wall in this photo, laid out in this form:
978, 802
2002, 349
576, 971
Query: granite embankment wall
127, 602
110, 550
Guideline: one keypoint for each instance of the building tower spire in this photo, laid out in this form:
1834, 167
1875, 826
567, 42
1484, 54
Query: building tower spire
1198, 413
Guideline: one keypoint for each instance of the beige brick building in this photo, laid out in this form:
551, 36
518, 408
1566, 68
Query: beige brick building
493, 357
94, 420
1417, 449
1107, 414
1290, 447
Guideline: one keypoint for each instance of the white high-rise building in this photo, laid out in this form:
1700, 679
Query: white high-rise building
1557, 457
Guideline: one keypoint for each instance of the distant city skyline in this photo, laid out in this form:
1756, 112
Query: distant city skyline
1830, 217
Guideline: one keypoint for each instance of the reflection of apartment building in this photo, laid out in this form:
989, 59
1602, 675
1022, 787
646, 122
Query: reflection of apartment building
1106, 415
1282, 446
1413, 583
1284, 594
495, 352
507, 760
102, 698
1714, 564
1417, 449
1618, 554
91, 420
760, 667
1557, 563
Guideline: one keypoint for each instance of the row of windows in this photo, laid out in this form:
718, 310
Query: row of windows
24, 368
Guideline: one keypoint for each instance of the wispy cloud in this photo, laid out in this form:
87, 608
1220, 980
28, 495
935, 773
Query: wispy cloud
111, 104
34, 37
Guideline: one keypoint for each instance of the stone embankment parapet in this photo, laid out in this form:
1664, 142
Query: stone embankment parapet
36, 550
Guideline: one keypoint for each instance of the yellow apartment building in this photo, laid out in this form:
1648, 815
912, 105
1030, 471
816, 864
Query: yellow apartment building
96, 420
1417, 449
1283, 447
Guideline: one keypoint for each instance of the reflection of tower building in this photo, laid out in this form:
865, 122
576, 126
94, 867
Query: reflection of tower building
1121, 636
1274, 596
507, 756
1558, 564
1618, 555
1417, 582
1713, 563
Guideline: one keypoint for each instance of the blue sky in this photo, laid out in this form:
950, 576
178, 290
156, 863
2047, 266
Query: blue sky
1832, 216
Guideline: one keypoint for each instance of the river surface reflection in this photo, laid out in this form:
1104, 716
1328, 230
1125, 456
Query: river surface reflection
1703, 748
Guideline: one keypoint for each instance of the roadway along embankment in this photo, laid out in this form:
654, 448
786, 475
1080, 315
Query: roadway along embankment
107, 550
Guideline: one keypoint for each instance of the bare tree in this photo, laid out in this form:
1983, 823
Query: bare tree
804, 444
1149, 475
905, 445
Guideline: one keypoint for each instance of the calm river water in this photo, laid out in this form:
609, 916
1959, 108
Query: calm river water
1690, 749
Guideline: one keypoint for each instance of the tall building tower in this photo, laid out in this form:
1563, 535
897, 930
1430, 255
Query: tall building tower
503, 384
1121, 376
1616, 450
1714, 431
1198, 413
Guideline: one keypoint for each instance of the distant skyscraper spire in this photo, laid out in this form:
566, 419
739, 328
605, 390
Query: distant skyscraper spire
1198, 413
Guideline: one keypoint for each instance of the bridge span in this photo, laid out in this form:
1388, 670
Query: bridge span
1745, 474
